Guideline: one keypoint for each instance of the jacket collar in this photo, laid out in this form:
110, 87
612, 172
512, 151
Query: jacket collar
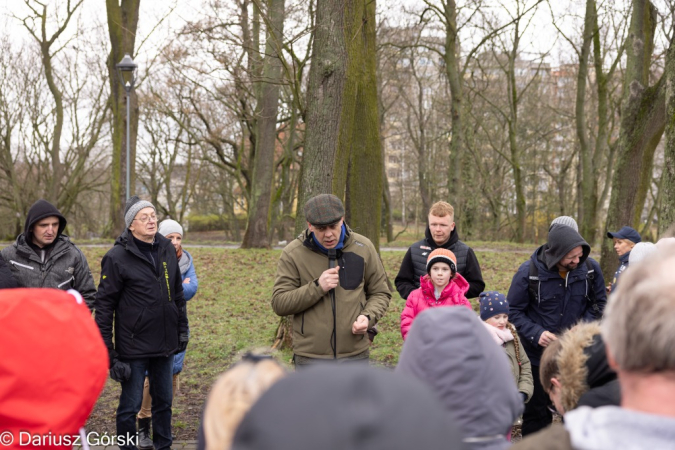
454, 237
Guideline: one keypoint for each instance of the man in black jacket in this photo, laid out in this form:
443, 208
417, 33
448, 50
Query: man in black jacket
440, 233
42, 256
141, 293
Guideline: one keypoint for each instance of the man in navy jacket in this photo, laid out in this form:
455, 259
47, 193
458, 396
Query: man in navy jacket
566, 289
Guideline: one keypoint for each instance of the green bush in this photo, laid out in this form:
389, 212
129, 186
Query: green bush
209, 222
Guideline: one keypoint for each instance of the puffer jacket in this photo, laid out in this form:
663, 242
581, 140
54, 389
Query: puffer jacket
561, 304
363, 290
454, 294
65, 267
146, 307
414, 264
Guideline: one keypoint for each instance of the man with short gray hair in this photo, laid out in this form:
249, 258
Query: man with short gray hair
639, 331
332, 282
141, 293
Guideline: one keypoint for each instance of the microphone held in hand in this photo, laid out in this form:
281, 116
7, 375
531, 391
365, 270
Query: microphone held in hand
332, 258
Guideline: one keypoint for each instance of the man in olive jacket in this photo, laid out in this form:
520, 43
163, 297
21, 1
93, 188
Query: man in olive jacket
332, 282
141, 293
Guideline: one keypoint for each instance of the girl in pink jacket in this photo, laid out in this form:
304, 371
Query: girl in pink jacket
441, 286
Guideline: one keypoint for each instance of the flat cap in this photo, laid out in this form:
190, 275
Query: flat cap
324, 209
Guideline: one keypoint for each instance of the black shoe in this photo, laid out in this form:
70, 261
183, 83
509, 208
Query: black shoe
144, 440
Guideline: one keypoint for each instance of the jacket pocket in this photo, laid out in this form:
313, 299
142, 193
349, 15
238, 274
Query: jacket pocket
18, 264
302, 326
59, 286
351, 271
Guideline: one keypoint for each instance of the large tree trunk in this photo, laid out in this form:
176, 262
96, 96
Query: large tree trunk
667, 213
642, 124
330, 104
457, 144
365, 186
122, 26
257, 235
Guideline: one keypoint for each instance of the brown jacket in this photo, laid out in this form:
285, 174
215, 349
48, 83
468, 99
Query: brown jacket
363, 290
522, 373
554, 437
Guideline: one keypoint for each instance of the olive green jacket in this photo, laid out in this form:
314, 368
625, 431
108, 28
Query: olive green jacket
524, 375
363, 290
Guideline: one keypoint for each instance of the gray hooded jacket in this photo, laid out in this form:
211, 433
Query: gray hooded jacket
450, 349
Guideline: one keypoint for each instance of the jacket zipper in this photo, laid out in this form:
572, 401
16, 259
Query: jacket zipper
65, 282
21, 265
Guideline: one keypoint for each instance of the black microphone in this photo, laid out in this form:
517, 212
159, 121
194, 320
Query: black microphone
332, 258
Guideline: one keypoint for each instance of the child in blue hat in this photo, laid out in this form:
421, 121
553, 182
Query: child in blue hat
494, 311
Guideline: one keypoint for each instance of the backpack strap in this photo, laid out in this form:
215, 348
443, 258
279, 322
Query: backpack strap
590, 293
533, 281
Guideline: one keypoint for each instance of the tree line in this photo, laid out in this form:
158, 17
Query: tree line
252, 106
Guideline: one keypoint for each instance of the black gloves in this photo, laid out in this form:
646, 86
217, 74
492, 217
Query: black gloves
120, 371
183, 342
523, 396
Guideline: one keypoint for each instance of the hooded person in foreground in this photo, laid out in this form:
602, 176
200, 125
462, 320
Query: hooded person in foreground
347, 407
450, 350
556, 288
53, 367
638, 330
42, 256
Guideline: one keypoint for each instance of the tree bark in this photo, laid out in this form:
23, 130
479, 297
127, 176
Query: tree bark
457, 144
667, 212
257, 234
122, 26
365, 186
641, 127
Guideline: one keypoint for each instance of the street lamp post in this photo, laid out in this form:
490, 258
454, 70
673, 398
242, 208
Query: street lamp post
126, 69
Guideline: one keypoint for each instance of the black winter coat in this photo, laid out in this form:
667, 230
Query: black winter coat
7, 281
147, 307
408, 278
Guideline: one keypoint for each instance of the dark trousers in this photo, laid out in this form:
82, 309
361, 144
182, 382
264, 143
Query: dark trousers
536, 416
160, 374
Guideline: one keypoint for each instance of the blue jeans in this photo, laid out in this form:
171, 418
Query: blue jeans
161, 378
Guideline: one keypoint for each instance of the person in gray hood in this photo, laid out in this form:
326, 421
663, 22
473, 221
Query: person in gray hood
638, 331
44, 257
449, 349
347, 407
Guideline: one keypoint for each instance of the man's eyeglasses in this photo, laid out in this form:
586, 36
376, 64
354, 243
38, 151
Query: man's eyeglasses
146, 219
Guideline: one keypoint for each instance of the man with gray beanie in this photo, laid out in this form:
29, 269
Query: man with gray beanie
141, 293
332, 282
558, 286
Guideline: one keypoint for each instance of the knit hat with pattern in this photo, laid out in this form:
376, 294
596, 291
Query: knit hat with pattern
492, 303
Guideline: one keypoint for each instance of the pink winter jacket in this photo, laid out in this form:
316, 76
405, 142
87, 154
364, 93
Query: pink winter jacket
423, 298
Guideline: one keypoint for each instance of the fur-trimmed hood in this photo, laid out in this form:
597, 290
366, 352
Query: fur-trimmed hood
582, 363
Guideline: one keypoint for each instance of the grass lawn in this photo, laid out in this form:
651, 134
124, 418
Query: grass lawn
231, 313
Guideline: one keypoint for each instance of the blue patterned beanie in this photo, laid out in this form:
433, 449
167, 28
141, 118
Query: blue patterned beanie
492, 303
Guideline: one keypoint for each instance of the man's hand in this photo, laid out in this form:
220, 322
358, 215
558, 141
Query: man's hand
329, 279
361, 325
546, 338
183, 340
186, 281
120, 371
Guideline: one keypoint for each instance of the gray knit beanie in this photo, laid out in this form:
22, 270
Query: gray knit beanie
168, 226
640, 251
565, 220
134, 204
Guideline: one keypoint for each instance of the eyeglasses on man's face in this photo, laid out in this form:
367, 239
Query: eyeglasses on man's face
146, 219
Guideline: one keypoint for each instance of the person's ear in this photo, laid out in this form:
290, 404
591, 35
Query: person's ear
555, 382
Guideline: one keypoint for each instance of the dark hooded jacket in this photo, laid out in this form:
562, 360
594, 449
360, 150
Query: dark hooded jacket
414, 264
561, 303
59, 265
7, 280
451, 351
145, 304
347, 407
